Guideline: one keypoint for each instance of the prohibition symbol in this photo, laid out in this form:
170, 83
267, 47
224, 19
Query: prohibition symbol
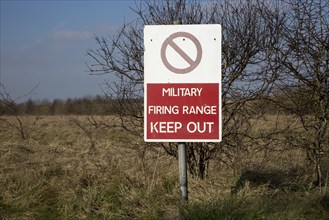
193, 63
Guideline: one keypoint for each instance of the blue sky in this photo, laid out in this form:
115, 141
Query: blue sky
44, 43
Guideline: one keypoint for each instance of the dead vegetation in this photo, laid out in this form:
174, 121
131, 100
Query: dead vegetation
54, 175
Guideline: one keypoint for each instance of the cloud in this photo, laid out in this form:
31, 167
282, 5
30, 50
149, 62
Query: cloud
65, 34
62, 33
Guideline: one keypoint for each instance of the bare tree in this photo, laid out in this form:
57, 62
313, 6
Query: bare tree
10, 106
302, 89
247, 39
87, 129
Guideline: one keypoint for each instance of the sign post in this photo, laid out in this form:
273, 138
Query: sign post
182, 93
182, 165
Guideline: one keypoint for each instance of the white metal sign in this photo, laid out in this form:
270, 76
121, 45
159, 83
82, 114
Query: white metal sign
182, 78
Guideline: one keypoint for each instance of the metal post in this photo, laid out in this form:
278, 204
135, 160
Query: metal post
182, 173
182, 162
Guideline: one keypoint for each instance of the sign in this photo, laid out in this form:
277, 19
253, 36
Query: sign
170, 42
182, 78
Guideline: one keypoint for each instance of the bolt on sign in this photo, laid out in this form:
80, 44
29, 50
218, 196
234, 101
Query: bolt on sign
182, 79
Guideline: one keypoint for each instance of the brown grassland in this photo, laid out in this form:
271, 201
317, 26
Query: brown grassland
61, 171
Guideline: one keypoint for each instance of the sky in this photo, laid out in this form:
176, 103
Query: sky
44, 43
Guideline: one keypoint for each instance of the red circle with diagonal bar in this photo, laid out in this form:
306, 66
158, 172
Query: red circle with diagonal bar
193, 63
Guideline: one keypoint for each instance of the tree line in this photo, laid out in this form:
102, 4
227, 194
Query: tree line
103, 105
91, 105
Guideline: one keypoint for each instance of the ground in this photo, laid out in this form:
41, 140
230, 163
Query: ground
67, 169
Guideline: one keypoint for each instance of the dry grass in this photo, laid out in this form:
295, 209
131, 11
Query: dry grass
55, 174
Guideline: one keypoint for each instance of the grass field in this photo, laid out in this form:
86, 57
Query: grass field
61, 171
